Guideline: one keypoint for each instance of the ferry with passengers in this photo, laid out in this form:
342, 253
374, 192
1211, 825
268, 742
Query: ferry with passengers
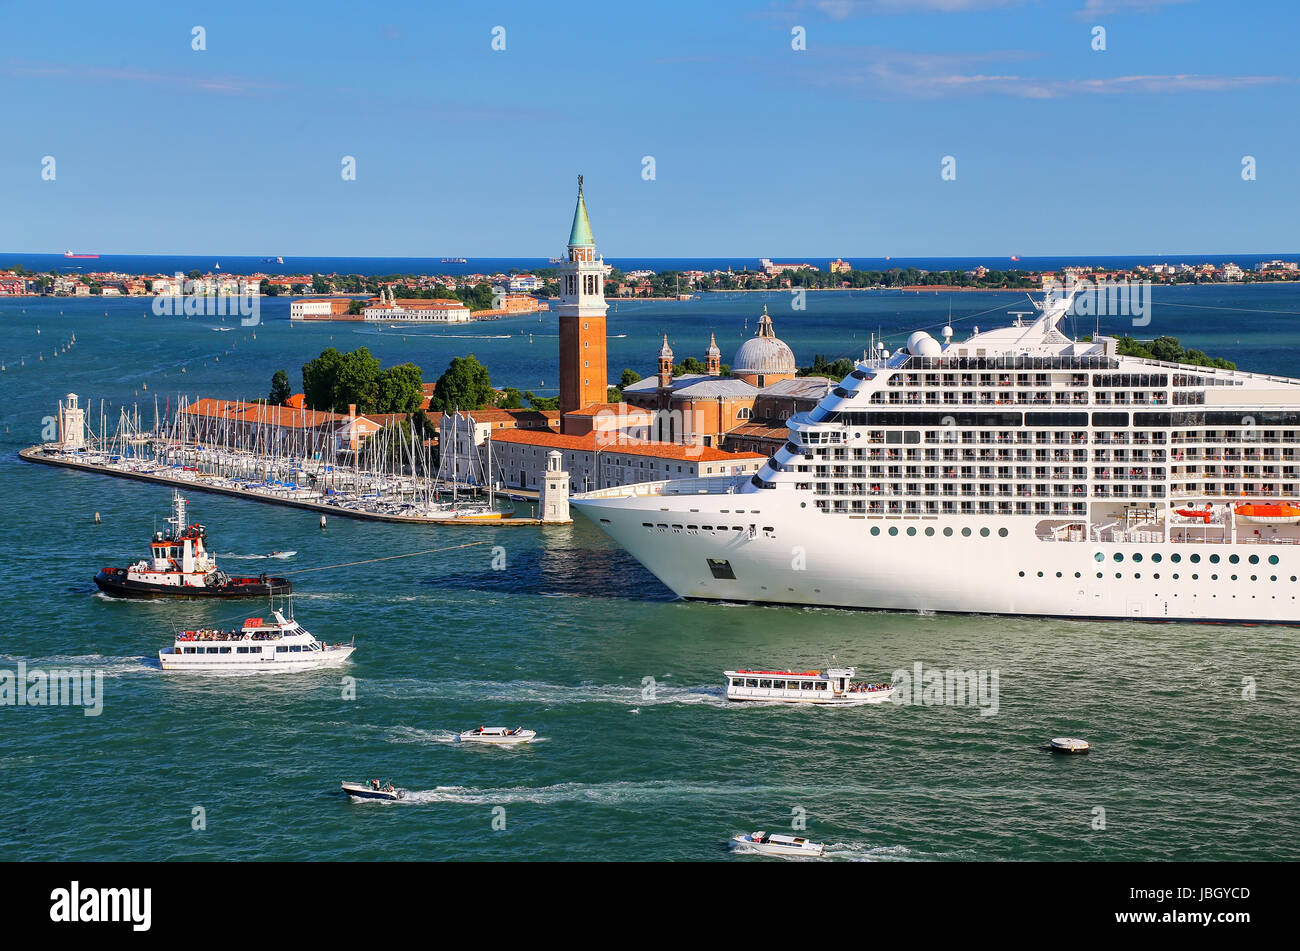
1018, 471
832, 687
261, 645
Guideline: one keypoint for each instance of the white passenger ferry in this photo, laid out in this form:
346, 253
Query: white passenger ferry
832, 687
274, 645
1020, 471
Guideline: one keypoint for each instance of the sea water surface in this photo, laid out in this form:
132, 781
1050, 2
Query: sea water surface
642, 757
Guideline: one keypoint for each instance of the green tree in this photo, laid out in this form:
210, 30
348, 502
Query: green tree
689, 365
334, 379
542, 402
356, 307
319, 285
280, 388
511, 398
628, 378
466, 384
401, 389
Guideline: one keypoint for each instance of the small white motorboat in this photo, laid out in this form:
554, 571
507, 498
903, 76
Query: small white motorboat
1066, 744
771, 844
384, 792
498, 735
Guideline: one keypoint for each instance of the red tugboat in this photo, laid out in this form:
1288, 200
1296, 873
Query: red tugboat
182, 567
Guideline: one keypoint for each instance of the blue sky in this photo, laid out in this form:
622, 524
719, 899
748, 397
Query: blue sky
759, 149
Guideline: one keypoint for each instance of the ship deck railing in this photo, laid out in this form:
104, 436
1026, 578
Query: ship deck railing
706, 485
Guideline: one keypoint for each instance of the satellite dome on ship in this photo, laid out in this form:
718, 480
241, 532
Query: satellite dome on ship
763, 358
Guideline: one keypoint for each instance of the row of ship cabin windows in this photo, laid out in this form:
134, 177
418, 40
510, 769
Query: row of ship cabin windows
280, 649
875, 507
1137, 576
765, 684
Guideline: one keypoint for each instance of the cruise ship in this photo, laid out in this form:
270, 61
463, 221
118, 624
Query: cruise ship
1017, 472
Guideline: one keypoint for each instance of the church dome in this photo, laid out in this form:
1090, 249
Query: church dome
764, 354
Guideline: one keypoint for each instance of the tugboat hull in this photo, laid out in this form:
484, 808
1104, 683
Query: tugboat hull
114, 581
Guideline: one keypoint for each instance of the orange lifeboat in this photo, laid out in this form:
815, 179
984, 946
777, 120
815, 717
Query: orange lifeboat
1269, 513
1203, 514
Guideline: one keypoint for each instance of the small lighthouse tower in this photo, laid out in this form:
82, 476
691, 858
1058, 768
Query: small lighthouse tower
72, 424
554, 497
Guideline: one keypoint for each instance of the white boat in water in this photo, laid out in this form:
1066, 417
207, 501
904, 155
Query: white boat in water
274, 645
383, 792
772, 844
832, 687
498, 735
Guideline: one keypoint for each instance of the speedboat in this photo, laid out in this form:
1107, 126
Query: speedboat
384, 792
498, 735
832, 687
1066, 744
772, 844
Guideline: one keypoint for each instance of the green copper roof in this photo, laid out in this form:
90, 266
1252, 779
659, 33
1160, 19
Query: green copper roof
580, 235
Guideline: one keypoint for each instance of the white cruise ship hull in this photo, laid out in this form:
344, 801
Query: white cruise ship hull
787, 554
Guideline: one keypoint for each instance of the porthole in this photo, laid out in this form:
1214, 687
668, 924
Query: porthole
1214, 559
1175, 576
875, 529
1196, 559
1099, 557
1195, 578
1137, 556
1156, 576
1022, 574
1137, 574
984, 533
1118, 575
1233, 559
1099, 574
893, 530
1254, 559
1272, 559
965, 532
1156, 557
1058, 574
1214, 577
1272, 577
911, 531
929, 531
1175, 558
1234, 578
1254, 577
1077, 575
1119, 556
1002, 533
1040, 574
947, 532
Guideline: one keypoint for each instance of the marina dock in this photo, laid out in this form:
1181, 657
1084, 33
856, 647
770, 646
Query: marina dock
166, 475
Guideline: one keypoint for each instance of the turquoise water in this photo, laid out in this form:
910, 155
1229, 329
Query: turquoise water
563, 640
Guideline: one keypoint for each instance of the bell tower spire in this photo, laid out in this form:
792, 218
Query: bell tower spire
583, 371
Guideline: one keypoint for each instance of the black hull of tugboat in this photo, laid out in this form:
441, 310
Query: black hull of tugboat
120, 587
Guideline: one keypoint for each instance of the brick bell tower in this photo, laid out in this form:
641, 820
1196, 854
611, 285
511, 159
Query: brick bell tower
582, 307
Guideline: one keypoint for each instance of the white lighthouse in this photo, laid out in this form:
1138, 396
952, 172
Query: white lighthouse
72, 424
554, 497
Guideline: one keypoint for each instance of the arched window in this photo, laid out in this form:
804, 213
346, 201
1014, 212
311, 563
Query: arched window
745, 413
